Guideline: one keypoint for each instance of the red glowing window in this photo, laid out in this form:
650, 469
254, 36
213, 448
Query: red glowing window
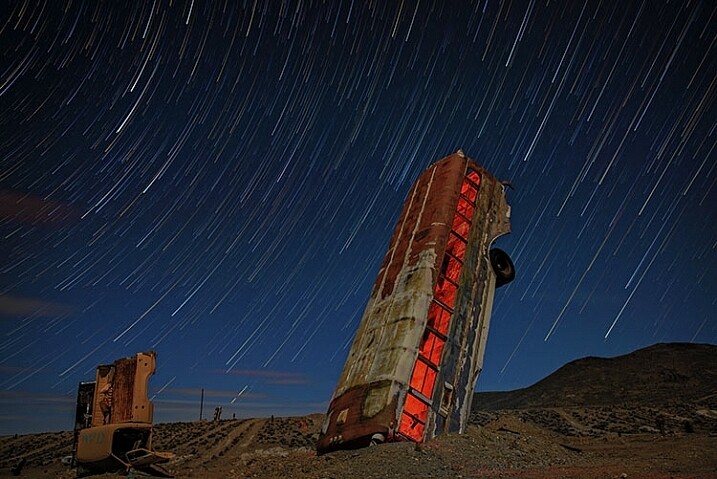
456, 246
438, 318
411, 427
416, 408
451, 268
473, 176
431, 347
423, 378
461, 226
469, 191
445, 292
424, 375
465, 208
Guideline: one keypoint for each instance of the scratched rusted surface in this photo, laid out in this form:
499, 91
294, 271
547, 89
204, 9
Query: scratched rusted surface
424, 222
129, 378
386, 344
350, 425
125, 425
123, 393
102, 377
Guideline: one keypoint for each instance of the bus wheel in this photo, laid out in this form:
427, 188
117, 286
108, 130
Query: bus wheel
502, 266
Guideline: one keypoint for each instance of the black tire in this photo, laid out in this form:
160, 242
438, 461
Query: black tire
502, 266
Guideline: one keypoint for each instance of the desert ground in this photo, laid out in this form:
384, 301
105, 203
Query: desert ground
510, 444
650, 415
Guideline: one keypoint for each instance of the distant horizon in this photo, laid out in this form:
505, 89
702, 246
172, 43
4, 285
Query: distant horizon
188, 409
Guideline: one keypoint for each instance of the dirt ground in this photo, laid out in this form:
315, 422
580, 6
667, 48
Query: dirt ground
507, 446
656, 418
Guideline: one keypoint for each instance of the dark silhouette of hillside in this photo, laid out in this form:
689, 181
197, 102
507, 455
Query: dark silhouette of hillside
654, 376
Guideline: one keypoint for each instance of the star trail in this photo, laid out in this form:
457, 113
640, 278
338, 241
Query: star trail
219, 181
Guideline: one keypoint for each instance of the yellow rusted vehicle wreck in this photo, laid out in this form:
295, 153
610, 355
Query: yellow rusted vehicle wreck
418, 351
113, 420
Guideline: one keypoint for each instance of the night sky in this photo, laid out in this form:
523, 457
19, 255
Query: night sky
219, 182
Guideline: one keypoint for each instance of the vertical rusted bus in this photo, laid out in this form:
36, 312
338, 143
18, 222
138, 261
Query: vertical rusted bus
113, 420
417, 354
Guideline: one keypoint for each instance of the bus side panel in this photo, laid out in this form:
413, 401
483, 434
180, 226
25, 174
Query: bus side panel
386, 343
462, 360
355, 416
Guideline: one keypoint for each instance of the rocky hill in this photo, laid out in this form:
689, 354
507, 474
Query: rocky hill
655, 375
659, 389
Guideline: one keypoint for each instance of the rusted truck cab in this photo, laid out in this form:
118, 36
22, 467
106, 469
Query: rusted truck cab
418, 351
113, 422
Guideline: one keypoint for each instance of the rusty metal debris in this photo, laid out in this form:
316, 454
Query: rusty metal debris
419, 348
113, 420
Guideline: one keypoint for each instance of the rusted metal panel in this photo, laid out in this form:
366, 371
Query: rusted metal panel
463, 358
121, 390
96, 443
103, 380
424, 222
123, 385
119, 435
358, 414
142, 407
372, 391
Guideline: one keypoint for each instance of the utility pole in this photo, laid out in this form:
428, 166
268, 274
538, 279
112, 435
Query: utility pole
201, 405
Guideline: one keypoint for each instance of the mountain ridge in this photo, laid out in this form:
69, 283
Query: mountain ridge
655, 375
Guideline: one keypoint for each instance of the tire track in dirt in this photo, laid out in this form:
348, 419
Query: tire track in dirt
238, 437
